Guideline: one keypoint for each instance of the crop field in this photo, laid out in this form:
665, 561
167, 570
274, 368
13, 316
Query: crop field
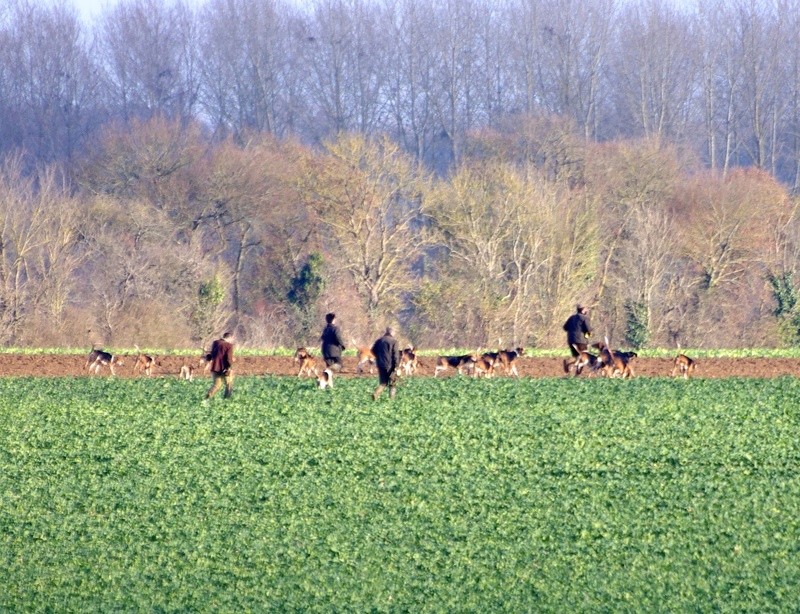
550, 494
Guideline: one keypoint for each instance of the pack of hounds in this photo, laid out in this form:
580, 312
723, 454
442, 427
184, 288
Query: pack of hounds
606, 362
143, 364
477, 364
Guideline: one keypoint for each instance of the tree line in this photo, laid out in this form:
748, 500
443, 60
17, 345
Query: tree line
467, 171
163, 237
718, 77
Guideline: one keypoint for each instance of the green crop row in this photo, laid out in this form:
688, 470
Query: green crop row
459, 495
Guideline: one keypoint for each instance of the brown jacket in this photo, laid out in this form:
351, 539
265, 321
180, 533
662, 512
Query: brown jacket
221, 356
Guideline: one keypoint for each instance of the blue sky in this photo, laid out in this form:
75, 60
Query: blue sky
90, 8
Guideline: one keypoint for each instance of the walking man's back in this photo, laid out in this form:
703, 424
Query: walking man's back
387, 358
221, 359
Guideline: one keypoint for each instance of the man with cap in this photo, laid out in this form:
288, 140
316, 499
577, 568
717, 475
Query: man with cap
578, 332
387, 357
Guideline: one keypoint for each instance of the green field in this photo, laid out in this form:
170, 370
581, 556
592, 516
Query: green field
460, 495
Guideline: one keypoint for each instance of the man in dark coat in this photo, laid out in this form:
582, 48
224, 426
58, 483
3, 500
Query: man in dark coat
221, 359
387, 358
578, 331
332, 344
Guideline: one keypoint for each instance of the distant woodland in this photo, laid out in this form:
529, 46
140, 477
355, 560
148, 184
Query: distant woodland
465, 170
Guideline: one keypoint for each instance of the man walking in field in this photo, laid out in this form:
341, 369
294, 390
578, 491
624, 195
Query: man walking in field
387, 358
578, 332
221, 359
332, 344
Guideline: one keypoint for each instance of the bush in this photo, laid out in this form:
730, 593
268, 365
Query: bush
637, 324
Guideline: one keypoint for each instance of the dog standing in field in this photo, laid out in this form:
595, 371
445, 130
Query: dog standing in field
187, 372
582, 360
507, 358
459, 363
408, 360
605, 363
613, 363
684, 365
307, 363
325, 379
100, 358
365, 357
143, 363
189, 367
487, 362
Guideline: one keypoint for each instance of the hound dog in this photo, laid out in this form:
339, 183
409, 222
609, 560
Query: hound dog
100, 358
459, 363
187, 372
365, 357
189, 367
613, 363
582, 360
307, 363
487, 363
507, 358
325, 379
408, 360
143, 363
684, 366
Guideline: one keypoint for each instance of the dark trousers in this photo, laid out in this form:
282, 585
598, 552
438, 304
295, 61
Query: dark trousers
568, 362
333, 361
385, 378
582, 347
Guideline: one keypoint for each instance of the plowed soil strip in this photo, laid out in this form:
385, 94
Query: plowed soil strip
22, 365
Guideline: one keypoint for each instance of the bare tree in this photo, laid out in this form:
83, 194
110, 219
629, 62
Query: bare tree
410, 75
654, 68
724, 85
140, 283
232, 195
158, 161
48, 83
575, 41
38, 246
148, 50
457, 70
727, 231
519, 248
742, 77
634, 184
367, 195
250, 74
525, 50
790, 9
345, 59
648, 264
761, 46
